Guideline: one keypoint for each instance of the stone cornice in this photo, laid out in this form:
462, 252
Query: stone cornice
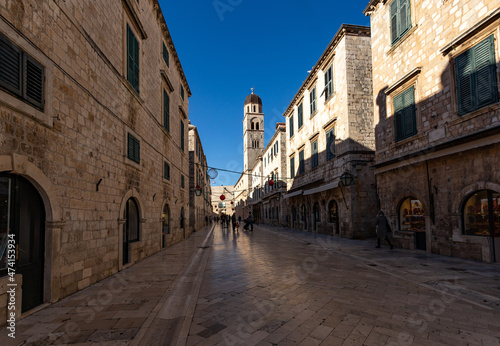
403, 80
371, 6
345, 29
135, 18
170, 42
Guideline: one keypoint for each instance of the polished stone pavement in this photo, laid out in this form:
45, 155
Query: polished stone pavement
275, 286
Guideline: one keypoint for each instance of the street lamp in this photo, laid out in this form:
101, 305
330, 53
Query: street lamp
197, 191
346, 179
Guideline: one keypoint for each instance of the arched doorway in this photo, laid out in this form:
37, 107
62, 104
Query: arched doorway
165, 217
130, 228
316, 216
333, 215
22, 220
412, 218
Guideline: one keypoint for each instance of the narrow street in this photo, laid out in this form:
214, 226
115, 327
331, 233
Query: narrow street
275, 286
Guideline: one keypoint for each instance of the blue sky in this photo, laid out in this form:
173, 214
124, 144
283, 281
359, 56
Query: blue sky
227, 47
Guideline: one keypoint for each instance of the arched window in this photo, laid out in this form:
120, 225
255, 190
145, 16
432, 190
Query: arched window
253, 126
481, 212
254, 109
256, 126
411, 215
333, 211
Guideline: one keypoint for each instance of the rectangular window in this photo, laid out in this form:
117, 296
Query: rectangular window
183, 183
222, 205
405, 114
300, 115
400, 19
166, 111
292, 167
166, 170
312, 101
302, 169
330, 144
165, 55
182, 92
314, 154
476, 77
182, 136
134, 148
20, 74
132, 59
291, 126
328, 90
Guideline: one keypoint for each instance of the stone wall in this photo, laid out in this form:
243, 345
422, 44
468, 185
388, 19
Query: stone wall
81, 135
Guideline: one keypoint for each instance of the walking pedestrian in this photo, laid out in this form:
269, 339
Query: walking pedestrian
250, 221
383, 229
233, 221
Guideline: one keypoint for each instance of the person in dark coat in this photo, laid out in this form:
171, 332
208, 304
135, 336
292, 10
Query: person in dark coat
250, 221
383, 229
233, 221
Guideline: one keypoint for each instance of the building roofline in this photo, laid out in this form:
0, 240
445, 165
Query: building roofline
371, 5
344, 30
166, 32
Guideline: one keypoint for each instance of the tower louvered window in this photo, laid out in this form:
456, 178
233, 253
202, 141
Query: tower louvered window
20, 74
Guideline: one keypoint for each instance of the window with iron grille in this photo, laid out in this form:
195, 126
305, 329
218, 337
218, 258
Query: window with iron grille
134, 148
132, 59
476, 77
20, 74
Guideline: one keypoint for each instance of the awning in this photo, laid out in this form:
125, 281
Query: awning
329, 186
296, 193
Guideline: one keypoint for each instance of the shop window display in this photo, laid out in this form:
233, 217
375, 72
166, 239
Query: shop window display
482, 214
411, 215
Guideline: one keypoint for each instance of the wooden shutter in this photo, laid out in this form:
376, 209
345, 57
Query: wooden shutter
404, 17
292, 167
409, 116
330, 143
485, 72
398, 116
132, 59
182, 135
10, 66
165, 55
463, 66
300, 112
291, 126
34, 78
394, 21
166, 111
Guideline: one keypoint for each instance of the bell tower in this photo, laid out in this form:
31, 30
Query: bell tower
253, 130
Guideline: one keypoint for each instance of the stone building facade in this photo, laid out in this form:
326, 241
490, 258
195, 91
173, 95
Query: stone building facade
273, 177
199, 183
329, 136
437, 123
94, 161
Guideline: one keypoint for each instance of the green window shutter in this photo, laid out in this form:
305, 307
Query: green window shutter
292, 167
166, 170
10, 66
301, 162
485, 72
166, 111
405, 18
398, 116
330, 144
34, 76
182, 135
314, 154
137, 151
182, 92
300, 118
394, 21
463, 66
291, 126
405, 121
166, 55
130, 147
132, 59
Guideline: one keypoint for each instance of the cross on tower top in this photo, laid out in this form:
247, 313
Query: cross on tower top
252, 90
